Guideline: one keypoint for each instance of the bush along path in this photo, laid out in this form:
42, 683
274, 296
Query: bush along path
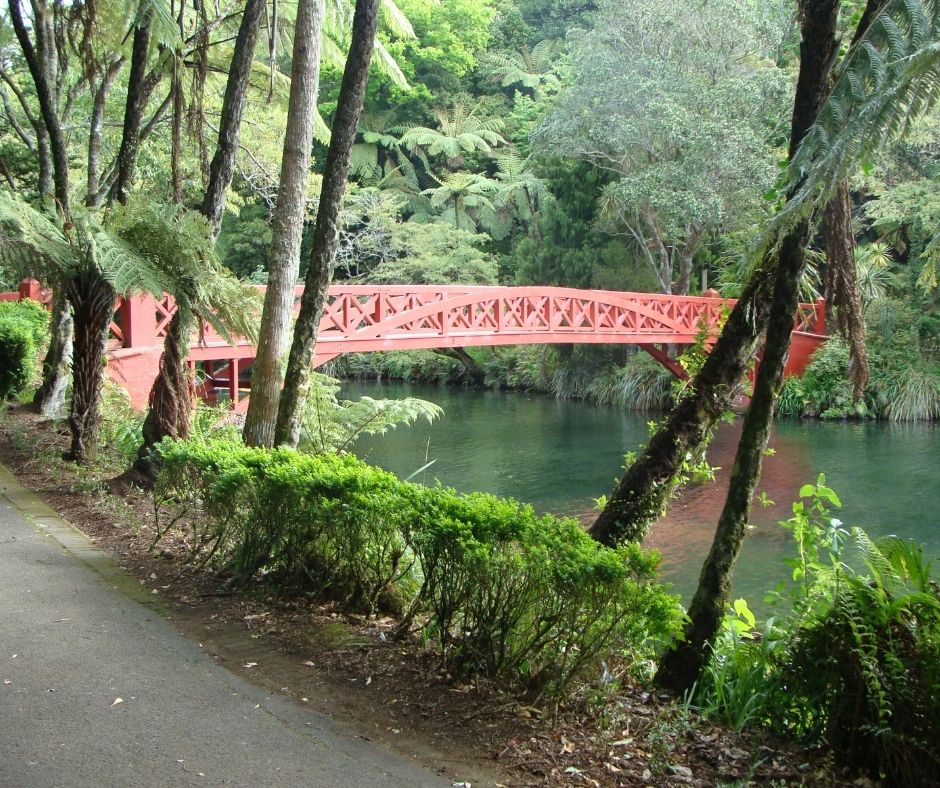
458, 626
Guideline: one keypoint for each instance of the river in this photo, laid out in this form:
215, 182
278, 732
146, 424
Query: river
560, 454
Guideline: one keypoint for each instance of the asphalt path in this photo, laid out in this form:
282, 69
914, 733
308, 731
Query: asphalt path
97, 689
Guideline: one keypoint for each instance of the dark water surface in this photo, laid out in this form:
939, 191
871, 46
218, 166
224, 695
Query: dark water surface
560, 455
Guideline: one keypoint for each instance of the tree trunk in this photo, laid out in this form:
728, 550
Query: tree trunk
681, 666
233, 105
841, 283
50, 397
46, 181
39, 61
92, 299
133, 114
171, 397
172, 394
643, 492
95, 126
287, 227
326, 232
176, 136
470, 365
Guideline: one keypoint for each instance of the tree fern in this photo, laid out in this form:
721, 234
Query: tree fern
887, 80
179, 247
333, 425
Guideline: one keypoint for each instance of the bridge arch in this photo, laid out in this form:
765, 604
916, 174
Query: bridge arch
369, 318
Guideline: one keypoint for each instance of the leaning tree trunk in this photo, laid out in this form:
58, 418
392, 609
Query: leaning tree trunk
475, 372
50, 397
643, 492
92, 298
841, 283
326, 232
681, 666
288, 222
233, 105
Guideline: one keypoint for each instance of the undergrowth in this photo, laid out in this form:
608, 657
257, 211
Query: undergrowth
853, 659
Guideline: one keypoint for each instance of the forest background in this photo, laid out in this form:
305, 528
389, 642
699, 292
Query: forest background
614, 145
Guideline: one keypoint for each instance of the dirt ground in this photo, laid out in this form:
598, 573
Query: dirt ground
350, 667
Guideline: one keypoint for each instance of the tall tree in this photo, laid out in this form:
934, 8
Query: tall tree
41, 60
233, 106
288, 222
877, 96
681, 666
133, 111
326, 231
683, 109
171, 398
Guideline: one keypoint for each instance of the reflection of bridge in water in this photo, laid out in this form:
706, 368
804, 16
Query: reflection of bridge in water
368, 318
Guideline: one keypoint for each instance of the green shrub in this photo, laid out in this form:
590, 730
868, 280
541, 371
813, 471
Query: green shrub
854, 663
532, 598
501, 592
790, 401
23, 328
33, 314
827, 391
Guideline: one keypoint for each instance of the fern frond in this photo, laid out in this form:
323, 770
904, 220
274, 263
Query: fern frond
885, 82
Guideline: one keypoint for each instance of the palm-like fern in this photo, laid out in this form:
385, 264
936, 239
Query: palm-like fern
464, 200
888, 78
875, 278
178, 245
378, 143
520, 190
460, 131
530, 68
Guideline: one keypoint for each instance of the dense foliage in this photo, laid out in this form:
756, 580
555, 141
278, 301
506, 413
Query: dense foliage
498, 590
852, 659
23, 328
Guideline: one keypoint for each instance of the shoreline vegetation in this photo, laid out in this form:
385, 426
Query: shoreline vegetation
399, 690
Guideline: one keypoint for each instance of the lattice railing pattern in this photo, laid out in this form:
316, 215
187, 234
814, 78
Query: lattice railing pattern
359, 312
362, 313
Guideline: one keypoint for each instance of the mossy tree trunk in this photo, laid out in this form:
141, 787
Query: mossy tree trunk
92, 299
172, 394
326, 231
642, 493
681, 666
841, 283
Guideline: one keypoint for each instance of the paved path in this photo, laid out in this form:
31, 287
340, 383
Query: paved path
70, 645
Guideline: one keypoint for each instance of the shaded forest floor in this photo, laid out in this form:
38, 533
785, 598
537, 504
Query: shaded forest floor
350, 668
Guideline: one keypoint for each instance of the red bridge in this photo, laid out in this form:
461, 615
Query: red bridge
362, 318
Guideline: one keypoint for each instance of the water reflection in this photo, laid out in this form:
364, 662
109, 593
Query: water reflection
560, 455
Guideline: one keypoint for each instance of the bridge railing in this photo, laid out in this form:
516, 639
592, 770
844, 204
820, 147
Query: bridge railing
394, 310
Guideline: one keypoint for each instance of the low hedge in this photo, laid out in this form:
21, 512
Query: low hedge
23, 329
497, 589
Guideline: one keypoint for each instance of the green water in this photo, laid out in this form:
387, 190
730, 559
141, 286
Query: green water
559, 455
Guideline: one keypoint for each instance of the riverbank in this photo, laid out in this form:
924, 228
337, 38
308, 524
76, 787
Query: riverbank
349, 667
